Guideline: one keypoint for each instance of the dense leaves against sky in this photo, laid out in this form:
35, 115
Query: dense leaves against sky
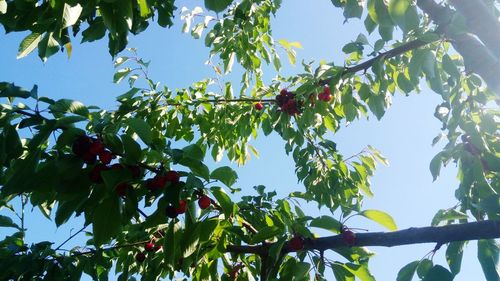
138, 175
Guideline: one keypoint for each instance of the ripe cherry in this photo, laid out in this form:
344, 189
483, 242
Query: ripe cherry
81, 145
349, 237
259, 106
135, 171
296, 243
171, 212
149, 247
96, 147
156, 183
182, 207
89, 158
105, 157
204, 202
121, 188
157, 248
95, 174
140, 257
172, 176
283, 92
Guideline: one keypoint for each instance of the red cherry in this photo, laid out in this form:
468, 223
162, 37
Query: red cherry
156, 183
259, 106
95, 173
204, 202
105, 157
89, 158
182, 207
157, 248
140, 257
135, 171
121, 188
171, 212
283, 92
327, 97
296, 243
349, 237
327, 91
96, 147
149, 247
172, 176
81, 145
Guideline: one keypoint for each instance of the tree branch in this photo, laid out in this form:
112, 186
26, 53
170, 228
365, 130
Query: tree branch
416, 235
482, 22
477, 57
415, 44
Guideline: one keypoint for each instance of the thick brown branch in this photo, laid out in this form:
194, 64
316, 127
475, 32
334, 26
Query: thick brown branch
415, 235
477, 57
482, 22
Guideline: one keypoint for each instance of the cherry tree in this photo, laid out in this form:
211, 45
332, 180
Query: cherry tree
139, 177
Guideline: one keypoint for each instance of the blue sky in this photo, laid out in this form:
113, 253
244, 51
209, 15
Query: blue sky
404, 189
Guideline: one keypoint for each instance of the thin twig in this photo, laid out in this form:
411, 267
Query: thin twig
71, 237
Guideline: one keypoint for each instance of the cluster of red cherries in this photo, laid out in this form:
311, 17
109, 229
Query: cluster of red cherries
288, 103
149, 247
91, 149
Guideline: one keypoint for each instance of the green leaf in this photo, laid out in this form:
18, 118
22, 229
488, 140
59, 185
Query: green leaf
326, 222
381, 218
353, 9
10, 90
225, 174
438, 273
144, 8
132, 149
141, 128
95, 31
341, 273
488, 251
217, 5
360, 271
435, 165
454, 253
193, 151
106, 220
397, 11
423, 267
47, 46
447, 215
404, 83
70, 14
69, 106
224, 200
120, 74
376, 104
29, 44
450, 67
7, 222
197, 167
3, 6
267, 232
406, 272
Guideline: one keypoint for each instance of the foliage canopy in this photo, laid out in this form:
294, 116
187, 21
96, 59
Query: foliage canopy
138, 174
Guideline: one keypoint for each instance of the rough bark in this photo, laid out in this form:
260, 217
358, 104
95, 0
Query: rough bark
416, 235
477, 57
482, 22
